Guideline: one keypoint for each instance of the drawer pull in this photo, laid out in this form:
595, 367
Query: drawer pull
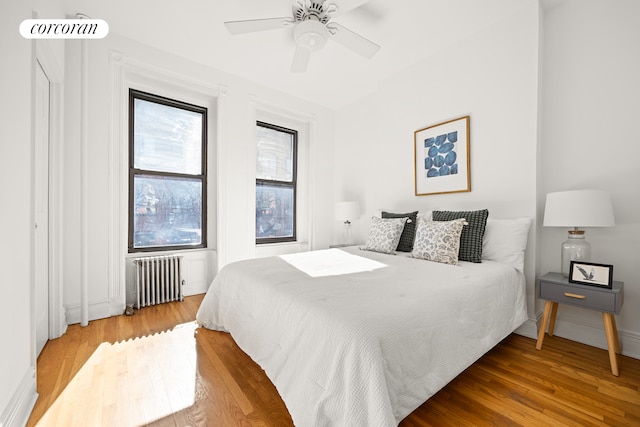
567, 294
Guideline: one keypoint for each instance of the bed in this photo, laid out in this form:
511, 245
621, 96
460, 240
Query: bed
352, 337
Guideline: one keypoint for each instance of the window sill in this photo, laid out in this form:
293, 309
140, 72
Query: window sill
271, 249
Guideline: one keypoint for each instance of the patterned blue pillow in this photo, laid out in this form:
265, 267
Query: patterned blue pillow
438, 241
384, 234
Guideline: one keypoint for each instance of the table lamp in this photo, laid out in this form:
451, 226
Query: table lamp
579, 208
347, 212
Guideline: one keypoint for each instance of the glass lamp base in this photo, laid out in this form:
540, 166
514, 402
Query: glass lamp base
346, 234
576, 248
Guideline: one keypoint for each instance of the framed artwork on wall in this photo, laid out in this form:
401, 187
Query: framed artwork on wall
442, 158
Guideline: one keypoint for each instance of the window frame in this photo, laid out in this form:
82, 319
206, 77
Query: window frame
277, 183
133, 172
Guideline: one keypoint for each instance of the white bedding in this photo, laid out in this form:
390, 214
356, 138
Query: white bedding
365, 348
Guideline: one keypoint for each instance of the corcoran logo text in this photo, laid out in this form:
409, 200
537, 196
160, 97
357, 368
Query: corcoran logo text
64, 28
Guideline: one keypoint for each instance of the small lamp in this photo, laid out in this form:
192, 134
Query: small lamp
580, 208
347, 212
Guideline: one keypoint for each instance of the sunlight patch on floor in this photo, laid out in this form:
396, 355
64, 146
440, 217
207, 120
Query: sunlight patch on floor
131, 383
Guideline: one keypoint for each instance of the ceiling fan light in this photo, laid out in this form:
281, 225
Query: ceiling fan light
311, 34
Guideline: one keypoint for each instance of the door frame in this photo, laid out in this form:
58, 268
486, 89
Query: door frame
45, 55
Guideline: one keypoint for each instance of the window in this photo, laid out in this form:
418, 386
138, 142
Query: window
167, 174
275, 183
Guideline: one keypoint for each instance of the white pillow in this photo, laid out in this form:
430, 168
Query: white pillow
428, 215
438, 241
384, 234
505, 240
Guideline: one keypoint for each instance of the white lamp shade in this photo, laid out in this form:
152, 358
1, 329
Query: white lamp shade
580, 208
347, 211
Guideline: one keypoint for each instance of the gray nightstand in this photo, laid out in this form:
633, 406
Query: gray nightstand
556, 289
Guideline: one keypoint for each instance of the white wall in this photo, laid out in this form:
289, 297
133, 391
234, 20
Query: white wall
493, 77
590, 140
17, 331
17, 369
115, 63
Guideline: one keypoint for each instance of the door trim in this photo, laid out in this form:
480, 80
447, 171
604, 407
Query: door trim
42, 131
49, 63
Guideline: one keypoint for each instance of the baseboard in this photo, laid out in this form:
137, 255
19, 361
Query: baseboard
630, 343
595, 336
21, 404
97, 310
528, 329
585, 334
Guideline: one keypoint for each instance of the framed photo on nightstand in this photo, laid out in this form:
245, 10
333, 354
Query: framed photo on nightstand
592, 274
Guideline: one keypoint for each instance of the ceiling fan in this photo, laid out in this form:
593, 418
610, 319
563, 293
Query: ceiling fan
312, 27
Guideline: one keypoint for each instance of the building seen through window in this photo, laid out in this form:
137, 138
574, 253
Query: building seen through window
275, 183
167, 173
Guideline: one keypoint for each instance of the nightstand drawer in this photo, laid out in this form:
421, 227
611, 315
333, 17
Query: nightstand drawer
557, 288
579, 296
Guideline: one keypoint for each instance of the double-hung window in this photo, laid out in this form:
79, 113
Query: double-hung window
167, 174
276, 165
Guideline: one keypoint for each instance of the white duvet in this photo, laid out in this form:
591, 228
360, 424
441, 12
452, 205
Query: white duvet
362, 348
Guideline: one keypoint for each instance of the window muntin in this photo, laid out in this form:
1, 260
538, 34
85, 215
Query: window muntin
276, 159
167, 174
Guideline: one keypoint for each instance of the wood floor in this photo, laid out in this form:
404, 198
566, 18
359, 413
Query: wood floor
155, 368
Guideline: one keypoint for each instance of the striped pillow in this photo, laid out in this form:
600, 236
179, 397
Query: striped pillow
472, 234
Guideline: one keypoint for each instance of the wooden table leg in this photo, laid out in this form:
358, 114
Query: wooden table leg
616, 340
552, 323
612, 342
545, 318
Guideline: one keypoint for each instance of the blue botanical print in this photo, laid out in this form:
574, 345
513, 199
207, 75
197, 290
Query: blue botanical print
440, 155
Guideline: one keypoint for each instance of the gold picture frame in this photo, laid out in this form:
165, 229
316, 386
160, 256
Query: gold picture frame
441, 158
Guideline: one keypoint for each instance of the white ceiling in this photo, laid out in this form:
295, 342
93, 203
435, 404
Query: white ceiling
407, 30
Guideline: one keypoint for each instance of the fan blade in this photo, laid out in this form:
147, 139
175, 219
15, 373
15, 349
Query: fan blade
300, 59
344, 6
353, 41
253, 25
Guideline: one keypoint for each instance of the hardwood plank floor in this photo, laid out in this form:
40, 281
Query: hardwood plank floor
156, 368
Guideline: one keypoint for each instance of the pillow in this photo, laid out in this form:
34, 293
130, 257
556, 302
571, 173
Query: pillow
472, 234
438, 241
384, 234
428, 215
408, 233
505, 240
